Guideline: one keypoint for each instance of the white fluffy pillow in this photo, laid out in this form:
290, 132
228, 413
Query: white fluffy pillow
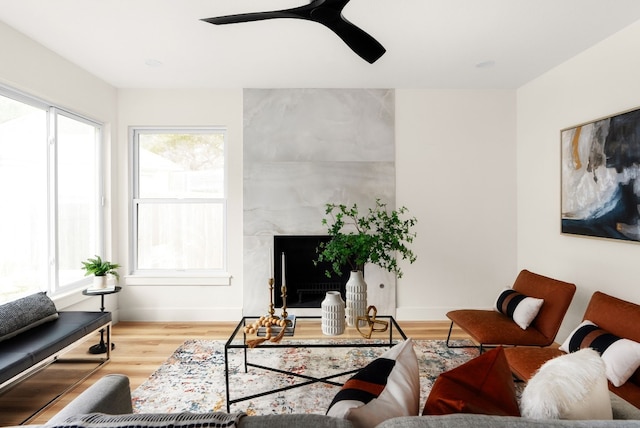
387, 387
520, 308
572, 386
621, 356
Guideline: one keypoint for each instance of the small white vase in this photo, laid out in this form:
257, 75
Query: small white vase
99, 282
356, 297
332, 314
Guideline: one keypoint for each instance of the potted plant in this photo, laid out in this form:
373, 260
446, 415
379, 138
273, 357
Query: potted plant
377, 236
100, 269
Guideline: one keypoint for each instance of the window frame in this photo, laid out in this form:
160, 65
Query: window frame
174, 276
52, 112
99, 199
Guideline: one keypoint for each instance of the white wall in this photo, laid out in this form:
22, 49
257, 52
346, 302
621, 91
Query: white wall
455, 162
601, 81
456, 173
29, 67
170, 302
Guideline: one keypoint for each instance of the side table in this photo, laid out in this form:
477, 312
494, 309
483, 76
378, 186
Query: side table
101, 348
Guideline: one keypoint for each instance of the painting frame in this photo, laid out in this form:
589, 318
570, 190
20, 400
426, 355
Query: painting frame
600, 177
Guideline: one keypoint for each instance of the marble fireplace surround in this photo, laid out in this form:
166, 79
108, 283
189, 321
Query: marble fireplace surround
302, 149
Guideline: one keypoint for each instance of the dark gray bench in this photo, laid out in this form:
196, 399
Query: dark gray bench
34, 334
31, 350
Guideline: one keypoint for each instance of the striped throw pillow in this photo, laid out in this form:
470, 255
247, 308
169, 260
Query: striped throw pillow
621, 356
387, 387
520, 308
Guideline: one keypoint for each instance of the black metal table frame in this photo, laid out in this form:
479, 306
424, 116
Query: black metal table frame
102, 347
354, 342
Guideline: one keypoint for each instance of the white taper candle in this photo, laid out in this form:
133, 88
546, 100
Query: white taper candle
270, 262
283, 269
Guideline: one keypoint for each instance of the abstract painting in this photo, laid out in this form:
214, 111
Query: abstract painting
600, 178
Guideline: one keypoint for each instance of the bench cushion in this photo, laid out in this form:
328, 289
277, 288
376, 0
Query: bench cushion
25, 313
39, 343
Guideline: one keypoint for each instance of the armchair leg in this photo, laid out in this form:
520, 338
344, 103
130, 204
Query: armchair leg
460, 346
449, 335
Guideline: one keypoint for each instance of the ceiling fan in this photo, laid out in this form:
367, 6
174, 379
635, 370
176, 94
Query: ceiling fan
325, 12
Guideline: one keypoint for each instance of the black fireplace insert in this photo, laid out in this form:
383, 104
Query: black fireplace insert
306, 283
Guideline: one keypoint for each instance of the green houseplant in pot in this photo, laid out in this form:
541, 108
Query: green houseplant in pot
100, 269
377, 236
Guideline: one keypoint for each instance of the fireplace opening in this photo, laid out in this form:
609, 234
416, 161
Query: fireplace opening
306, 283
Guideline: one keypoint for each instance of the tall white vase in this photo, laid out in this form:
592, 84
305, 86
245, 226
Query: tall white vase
356, 297
332, 314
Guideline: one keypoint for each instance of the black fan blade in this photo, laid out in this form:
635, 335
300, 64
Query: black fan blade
358, 40
325, 12
249, 17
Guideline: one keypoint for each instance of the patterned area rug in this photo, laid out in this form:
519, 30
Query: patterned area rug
192, 379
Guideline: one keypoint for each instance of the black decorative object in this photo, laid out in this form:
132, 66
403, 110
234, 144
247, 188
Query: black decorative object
325, 12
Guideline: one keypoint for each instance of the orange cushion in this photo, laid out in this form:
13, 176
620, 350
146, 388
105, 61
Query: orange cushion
557, 297
482, 386
614, 315
628, 391
525, 361
493, 328
621, 318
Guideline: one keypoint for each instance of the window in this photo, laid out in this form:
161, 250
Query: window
179, 201
79, 196
51, 191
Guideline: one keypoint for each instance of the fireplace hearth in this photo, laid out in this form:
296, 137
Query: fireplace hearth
306, 283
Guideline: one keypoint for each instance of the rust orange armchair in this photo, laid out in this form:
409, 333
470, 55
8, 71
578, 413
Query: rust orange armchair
491, 328
612, 314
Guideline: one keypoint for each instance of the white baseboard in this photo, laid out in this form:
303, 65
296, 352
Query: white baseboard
234, 314
180, 314
422, 314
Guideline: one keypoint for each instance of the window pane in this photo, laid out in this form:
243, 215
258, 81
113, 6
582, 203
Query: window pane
180, 236
23, 190
188, 165
78, 197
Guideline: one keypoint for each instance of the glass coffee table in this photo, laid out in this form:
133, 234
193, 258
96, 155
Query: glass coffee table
307, 334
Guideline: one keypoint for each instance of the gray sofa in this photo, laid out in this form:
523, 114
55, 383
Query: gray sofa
111, 395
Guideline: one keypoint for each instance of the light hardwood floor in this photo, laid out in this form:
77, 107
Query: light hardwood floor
142, 346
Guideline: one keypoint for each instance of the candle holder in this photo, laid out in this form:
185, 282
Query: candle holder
271, 308
284, 302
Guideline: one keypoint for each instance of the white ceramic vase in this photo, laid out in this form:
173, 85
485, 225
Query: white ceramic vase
356, 297
332, 314
99, 282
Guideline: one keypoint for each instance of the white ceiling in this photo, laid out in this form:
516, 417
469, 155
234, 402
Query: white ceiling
430, 43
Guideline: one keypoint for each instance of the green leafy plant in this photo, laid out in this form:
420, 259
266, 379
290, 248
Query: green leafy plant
377, 236
99, 267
